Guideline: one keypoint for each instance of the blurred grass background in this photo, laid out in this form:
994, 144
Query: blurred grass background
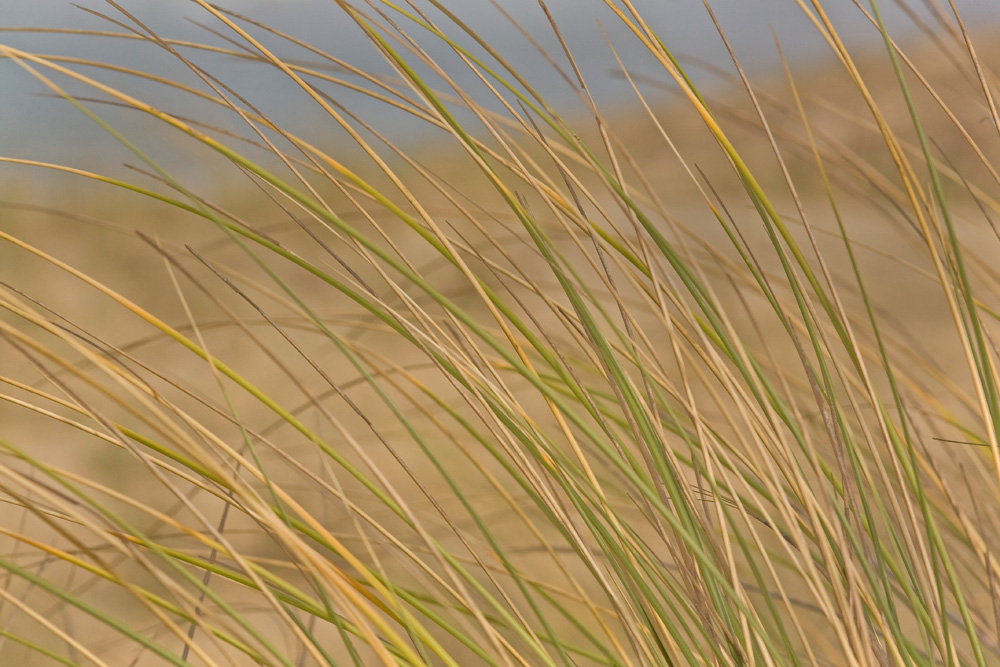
164, 259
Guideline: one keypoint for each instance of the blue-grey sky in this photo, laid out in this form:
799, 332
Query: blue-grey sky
27, 121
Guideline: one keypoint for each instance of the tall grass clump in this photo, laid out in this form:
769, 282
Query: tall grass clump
700, 380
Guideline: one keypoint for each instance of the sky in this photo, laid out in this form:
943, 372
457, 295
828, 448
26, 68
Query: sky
27, 119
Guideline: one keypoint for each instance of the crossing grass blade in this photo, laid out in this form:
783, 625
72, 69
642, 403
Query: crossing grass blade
574, 387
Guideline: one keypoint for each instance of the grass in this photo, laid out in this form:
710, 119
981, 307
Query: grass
711, 384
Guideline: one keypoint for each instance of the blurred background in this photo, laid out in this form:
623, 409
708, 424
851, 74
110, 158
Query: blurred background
34, 124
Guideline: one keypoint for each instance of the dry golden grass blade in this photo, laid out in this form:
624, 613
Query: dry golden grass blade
707, 383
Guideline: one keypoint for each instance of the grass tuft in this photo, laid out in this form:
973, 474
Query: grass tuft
711, 382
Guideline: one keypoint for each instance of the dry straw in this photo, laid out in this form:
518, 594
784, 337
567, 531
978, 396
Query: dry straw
703, 383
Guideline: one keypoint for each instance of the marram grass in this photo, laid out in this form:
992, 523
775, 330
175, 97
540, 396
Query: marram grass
707, 383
